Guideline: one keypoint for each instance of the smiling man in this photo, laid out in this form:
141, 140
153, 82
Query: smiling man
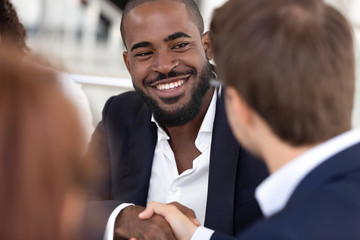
170, 70
169, 141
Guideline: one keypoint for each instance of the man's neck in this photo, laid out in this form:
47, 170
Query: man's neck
182, 138
279, 153
190, 130
274, 151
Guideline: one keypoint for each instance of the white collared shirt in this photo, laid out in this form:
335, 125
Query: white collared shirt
275, 191
190, 187
166, 185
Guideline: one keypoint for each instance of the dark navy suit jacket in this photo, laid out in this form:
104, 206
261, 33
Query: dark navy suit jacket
124, 142
325, 205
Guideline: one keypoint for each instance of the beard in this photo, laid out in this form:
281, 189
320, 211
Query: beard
183, 114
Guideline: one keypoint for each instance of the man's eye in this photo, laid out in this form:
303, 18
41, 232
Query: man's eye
180, 45
142, 54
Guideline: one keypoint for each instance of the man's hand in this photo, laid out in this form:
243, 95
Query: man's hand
187, 212
181, 225
128, 225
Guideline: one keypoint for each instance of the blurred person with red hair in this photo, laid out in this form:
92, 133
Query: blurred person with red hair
42, 176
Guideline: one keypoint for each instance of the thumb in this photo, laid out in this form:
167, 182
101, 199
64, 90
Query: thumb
147, 213
195, 221
154, 208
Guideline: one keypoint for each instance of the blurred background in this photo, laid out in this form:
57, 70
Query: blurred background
82, 37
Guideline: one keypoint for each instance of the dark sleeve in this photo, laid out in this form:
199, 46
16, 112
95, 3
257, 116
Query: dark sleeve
116, 120
251, 172
99, 206
98, 157
221, 236
96, 215
108, 147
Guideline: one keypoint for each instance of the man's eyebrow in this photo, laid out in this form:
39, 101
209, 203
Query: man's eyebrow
175, 36
139, 45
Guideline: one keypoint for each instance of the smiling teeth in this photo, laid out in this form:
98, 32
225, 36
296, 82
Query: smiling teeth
172, 85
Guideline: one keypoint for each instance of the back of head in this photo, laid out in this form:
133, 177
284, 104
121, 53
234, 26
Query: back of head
11, 29
191, 7
292, 61
40, 147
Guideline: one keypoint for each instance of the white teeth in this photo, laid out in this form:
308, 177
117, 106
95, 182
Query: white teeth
172, 85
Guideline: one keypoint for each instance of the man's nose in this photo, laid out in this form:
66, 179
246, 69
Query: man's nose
164, 62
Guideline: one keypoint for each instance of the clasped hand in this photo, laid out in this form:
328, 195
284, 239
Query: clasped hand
182, 225
157, 221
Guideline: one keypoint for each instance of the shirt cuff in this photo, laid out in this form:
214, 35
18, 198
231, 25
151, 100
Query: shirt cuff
202, 233
109, 230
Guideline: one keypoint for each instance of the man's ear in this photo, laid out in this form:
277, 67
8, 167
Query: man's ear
237, 107
207, 45
126, 60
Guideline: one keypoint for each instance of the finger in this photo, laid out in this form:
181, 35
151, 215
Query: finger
147, 213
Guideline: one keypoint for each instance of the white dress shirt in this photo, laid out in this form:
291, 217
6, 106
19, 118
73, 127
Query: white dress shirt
275, 191
167, 185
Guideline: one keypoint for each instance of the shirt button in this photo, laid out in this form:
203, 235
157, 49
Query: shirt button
174, 189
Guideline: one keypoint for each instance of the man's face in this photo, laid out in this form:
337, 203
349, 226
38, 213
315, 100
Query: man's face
168, 60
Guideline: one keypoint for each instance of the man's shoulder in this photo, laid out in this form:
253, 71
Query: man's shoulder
126, 104
124, 97
127, 101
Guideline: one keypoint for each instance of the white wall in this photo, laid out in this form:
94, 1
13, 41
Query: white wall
100, 89
356, 112
207, 7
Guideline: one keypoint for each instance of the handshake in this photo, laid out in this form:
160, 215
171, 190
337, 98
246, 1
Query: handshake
157, 221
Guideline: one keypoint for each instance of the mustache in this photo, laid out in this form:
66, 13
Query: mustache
172, 73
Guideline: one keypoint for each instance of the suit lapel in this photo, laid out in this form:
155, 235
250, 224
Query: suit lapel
222, 174
135, 182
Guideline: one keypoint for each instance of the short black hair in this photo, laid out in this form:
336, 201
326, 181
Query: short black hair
190, 5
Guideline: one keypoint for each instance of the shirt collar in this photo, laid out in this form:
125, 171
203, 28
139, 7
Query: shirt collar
162, 135
203, 139
274, 192
207, 124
